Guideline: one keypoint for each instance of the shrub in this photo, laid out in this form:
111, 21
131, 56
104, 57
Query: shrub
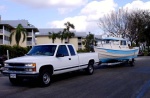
82, 50
14, 51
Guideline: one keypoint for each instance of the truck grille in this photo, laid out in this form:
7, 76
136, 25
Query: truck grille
16, 67
16, 64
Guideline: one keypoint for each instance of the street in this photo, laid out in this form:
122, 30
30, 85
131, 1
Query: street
106, 82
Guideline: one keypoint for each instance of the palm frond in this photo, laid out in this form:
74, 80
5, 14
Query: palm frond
24, 36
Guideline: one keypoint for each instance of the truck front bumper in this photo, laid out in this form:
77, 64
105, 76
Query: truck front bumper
21, 74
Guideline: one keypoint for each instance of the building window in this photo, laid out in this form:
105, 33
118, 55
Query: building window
79, 37
79, 43
1, 37
1, 27
29, 39
29, 30
7, 29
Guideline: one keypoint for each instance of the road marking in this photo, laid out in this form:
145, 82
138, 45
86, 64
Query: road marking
143, 90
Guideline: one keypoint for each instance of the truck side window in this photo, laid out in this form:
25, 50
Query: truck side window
72, 52
62, 49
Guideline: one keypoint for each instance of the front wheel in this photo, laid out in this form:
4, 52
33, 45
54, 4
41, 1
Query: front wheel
90, 69
45, 78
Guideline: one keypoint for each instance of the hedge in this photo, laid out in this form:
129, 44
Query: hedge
14, 51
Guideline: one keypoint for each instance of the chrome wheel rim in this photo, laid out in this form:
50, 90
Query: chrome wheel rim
90, 69
46, 78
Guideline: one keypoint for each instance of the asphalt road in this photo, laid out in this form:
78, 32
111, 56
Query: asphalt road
106, 82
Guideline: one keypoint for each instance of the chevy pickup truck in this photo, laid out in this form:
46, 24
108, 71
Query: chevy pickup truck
43, 61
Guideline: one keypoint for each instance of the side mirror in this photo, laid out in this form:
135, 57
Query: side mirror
59, 55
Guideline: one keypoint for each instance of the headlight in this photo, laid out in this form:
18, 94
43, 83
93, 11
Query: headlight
5, 64
31, 64
6, 67
32, 67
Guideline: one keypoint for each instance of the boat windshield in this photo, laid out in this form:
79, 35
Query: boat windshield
46, 50
112, 42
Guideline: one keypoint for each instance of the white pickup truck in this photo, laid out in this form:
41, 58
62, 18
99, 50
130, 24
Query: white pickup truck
43, 61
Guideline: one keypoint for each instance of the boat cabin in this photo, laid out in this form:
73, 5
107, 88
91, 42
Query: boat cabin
113, 43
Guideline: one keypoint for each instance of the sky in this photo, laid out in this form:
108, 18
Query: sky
84, 14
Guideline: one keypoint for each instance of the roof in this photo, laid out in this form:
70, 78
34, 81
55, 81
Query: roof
24, 23
53, 44
7, 25
113, 38
45, 32
15, 23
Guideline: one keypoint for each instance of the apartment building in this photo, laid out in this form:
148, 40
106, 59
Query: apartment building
42, 37
5, 30
8, 26
34, 35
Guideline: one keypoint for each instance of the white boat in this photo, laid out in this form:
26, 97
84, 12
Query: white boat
115, 49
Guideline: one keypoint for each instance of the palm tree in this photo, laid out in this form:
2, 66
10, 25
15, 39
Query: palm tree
18, 34
67, 34
53, 36
61, 36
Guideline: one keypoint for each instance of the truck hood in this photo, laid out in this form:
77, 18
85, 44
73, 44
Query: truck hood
27, 59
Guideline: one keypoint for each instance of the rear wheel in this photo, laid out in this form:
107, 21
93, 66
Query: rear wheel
45, 78
90, 69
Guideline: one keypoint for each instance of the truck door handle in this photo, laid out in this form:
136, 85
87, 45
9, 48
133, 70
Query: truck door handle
69, 58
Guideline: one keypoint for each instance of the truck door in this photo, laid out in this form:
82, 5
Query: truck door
64, 59
73, 57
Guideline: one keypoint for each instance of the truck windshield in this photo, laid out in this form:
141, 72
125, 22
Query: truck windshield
47, 50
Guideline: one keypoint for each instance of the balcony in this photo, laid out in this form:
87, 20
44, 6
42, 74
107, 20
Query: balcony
5, 32
79, 40
29, 34
6, 42
29, 43
1, 31
79, 46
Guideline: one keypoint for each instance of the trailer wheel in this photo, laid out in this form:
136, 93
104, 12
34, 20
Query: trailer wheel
90, 69
132, 62
45, 78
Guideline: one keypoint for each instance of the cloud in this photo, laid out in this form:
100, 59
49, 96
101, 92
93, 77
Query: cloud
2, 8
61, 5
96, 9
138, 4
79, 22
88, 16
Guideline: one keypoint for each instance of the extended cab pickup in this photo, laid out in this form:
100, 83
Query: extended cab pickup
43, 61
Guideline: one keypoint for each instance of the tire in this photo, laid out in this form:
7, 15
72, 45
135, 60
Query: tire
132, 63
45, 78
15, 81
90, 69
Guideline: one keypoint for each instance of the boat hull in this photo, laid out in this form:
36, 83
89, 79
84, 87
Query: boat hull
108, 55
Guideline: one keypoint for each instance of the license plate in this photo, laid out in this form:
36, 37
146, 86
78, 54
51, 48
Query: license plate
12, 75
